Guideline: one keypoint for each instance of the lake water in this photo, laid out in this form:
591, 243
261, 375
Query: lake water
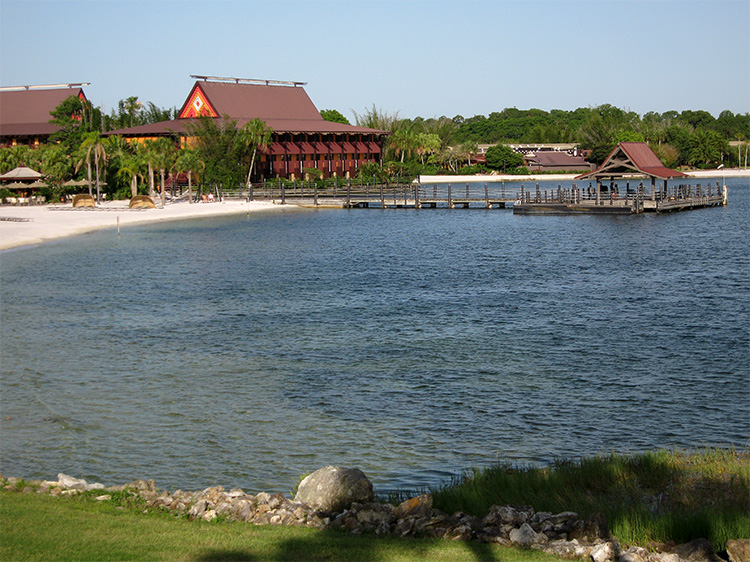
246, 351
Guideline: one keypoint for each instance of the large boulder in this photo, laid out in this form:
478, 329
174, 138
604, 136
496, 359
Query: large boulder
334, 488
699, 550
738, 550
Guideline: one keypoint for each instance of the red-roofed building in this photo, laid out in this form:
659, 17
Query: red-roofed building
632, 159
25, 112
301, 139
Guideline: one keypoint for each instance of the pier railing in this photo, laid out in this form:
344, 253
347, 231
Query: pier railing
472, 194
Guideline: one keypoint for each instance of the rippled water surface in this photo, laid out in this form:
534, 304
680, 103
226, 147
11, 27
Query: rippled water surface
246, 351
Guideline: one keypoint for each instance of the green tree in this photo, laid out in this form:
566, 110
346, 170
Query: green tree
94, 148
219, 146
189, 162
74, 117
131, 168
334, 116
501, 157
707, 149
254, 136
162, 158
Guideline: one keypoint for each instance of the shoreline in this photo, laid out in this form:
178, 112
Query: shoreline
29, 226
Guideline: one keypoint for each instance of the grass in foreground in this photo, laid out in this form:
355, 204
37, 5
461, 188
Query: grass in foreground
656, 496
46, 528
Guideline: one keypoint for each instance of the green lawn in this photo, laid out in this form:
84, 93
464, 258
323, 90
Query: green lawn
45, 528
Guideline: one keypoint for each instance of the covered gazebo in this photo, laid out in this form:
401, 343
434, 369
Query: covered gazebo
20, 174
631, 159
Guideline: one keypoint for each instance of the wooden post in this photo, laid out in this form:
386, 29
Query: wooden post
382, 197
315, 194
486, 196
349, 193
598, 191
450, 198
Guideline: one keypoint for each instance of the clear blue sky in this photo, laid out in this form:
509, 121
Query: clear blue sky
414, 57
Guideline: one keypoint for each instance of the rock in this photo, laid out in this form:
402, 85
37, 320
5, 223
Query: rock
596, 527
562, 549
663, 557
738, 550
419, 506
634, 554
65, 481
526, 536
334, 488
699, 550
505, 515
604, 552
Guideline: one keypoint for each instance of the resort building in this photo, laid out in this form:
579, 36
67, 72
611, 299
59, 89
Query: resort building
302, 139
25, 112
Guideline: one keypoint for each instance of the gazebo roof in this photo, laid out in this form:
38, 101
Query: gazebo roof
21, 173
632, 158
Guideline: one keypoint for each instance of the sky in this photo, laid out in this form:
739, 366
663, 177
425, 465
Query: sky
406, 57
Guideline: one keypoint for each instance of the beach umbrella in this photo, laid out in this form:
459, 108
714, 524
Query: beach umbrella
39, 183
76, 183
15, 185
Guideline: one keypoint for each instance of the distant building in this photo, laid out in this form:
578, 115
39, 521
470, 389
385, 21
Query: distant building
25, 112
302, 139
553, 161
548, 157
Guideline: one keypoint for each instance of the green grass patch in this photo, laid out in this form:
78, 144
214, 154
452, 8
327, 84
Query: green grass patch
46, 528
655, 496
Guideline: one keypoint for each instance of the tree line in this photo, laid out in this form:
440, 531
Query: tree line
690, 138
221, 154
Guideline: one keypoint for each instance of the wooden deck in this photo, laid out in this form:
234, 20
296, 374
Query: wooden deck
516, 196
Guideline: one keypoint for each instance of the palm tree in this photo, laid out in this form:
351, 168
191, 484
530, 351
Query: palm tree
189, 162
256, 136
95, 149
162, 158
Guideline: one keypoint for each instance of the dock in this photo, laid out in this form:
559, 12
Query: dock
515, 196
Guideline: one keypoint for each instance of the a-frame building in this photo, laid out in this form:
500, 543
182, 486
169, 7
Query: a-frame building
301, 138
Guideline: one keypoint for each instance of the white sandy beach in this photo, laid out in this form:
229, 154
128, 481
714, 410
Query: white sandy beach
27, 225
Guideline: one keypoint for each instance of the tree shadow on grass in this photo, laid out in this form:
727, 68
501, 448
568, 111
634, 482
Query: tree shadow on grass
333, 546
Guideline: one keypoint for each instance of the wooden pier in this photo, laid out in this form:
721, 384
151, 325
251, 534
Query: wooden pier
522, 199
613, 202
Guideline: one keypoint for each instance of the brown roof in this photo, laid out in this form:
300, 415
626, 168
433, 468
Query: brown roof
27, 112
286, 109
257, 101
555, 158
632, 158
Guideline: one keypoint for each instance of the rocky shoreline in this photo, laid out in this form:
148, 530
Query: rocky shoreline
341, 498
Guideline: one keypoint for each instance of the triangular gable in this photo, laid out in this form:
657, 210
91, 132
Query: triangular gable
632, 158
197, 105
